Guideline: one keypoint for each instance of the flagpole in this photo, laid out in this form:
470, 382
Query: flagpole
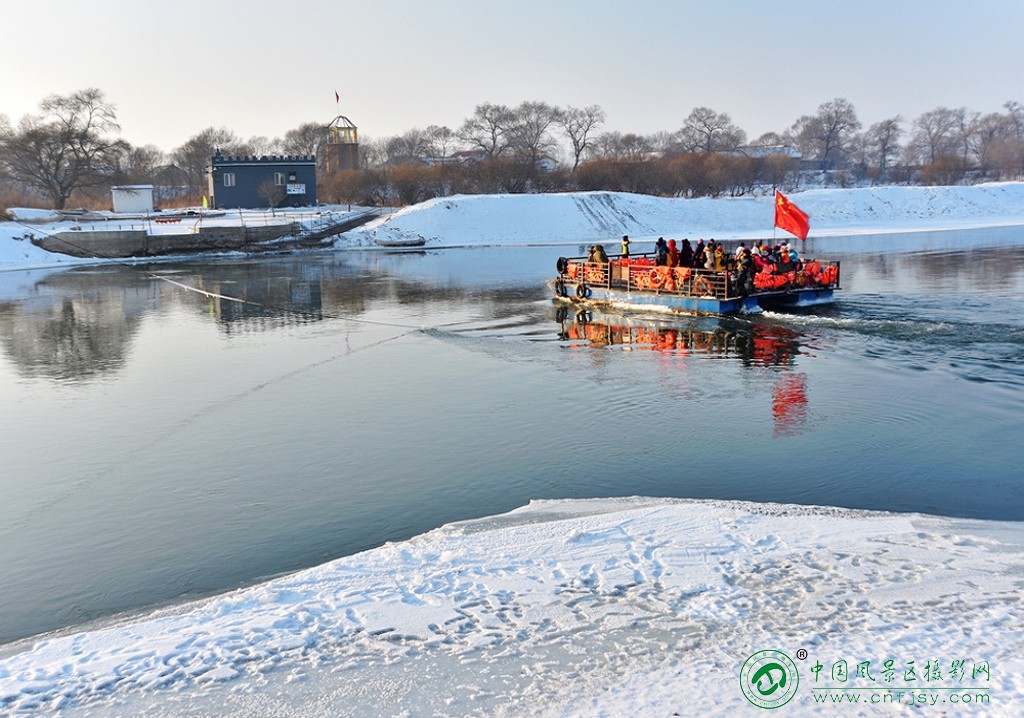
775, 209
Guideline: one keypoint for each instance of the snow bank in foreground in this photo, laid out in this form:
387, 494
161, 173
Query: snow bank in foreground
617, 607
588, 217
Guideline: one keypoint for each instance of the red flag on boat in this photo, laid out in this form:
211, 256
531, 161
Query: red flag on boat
337, 97
790, 217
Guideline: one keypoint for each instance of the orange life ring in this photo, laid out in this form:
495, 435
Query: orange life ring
656, 278
702, 287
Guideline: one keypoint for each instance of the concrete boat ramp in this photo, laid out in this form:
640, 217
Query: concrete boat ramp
121, 237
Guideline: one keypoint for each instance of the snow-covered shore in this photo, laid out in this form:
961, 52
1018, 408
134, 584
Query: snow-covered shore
594, 607
589, 217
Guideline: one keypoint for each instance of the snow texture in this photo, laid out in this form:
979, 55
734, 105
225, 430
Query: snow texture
594, 607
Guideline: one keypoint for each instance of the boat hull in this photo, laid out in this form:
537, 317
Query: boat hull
751, 304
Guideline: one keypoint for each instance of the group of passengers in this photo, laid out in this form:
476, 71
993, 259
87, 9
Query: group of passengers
745, 261
742, 264
714, 255
702, 256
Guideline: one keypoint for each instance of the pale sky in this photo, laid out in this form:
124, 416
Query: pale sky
174, 68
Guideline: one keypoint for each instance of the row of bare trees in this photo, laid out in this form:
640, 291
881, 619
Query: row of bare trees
70, 149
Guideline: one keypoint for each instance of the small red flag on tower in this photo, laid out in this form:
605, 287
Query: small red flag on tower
790, 217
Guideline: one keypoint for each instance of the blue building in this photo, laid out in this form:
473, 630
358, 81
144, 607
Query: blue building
261, 182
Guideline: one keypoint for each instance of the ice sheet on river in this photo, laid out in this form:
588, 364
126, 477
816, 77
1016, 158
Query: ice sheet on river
624, 607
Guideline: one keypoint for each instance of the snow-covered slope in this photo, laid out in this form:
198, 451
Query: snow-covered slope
586, 217
589, 217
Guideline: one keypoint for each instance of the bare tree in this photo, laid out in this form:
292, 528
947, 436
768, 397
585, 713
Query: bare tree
487, 129
618, 145
138, 164
993, 142
661, 142
194, 156
825, 135
440, 141
259, 146
65, 148
708, 131
305, 140
965, 128
778, 168
772, 139
1015, 113
412, 146
272, 192
935, 136
881, 143
371, 151
578, 123
529, 131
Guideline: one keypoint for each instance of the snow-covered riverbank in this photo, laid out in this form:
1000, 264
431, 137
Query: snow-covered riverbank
589, 217
596, 607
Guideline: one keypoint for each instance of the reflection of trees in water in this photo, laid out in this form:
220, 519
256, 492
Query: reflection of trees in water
78, 323
72, 338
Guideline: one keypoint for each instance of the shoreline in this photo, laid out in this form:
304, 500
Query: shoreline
608, 578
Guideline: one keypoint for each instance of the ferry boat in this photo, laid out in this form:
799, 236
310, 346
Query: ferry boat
636, 282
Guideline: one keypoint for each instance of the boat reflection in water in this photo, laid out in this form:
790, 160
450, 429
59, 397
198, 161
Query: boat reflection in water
752, 343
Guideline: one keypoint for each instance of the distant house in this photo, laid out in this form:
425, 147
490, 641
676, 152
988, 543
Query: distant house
768, 151
261, 182
466, 156
132, 198
170, 182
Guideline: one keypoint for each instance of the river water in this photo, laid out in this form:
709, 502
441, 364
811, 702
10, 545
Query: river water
159, 444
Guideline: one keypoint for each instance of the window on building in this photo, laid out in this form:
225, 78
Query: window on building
279, 178
229, 179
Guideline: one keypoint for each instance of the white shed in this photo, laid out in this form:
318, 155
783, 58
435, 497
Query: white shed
133, 198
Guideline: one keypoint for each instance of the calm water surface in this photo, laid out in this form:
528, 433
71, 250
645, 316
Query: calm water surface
158, 444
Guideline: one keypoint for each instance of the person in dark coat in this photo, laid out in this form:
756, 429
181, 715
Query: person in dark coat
660, 252
686, 254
